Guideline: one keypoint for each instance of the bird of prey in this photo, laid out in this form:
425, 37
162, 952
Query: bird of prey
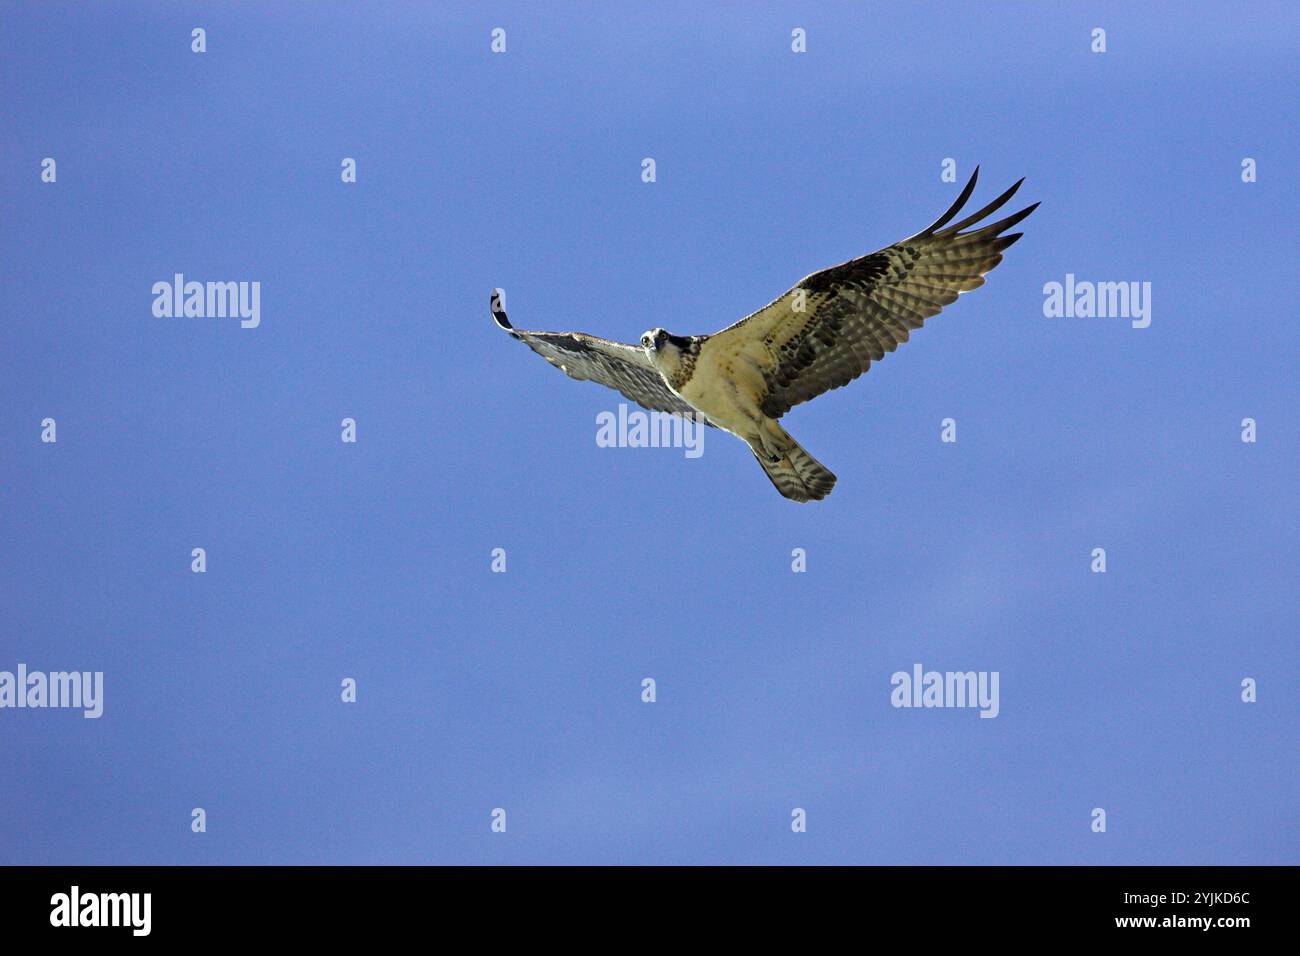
822, 334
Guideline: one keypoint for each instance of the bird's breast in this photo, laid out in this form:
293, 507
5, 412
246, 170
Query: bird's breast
727, 388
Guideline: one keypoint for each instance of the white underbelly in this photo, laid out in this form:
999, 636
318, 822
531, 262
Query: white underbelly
727, 392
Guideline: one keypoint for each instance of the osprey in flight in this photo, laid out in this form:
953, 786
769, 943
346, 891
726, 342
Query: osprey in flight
820, 335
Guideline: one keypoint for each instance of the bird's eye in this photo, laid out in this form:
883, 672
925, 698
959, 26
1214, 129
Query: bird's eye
645, 340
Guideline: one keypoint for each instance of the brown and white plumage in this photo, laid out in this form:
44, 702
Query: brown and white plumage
624, 368
821, 334
828, 329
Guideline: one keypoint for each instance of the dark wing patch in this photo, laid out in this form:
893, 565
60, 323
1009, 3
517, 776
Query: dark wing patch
828, 329
617, 365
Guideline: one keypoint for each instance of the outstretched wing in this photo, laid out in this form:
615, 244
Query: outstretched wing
828, 329
617, 365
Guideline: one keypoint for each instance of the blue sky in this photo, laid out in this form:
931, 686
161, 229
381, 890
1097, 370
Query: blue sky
522, 690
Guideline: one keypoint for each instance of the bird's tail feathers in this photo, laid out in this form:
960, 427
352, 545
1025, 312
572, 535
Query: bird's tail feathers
795, 473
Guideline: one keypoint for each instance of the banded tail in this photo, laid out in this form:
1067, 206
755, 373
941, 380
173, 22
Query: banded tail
795, 473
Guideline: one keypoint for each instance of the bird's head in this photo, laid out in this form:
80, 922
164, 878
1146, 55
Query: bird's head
665, 349
653, 339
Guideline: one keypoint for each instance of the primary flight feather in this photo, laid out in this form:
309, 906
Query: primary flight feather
822, 334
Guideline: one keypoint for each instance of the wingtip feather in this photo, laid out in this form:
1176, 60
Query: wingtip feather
498, 312
956, 206
991, 208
